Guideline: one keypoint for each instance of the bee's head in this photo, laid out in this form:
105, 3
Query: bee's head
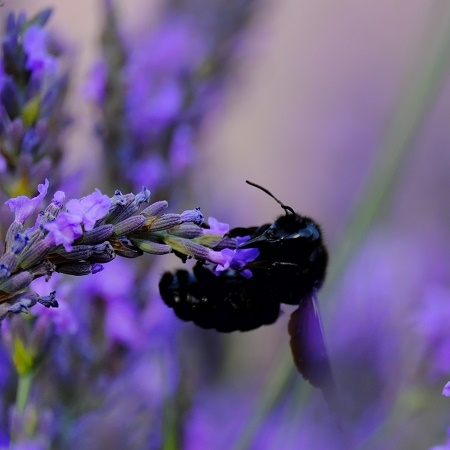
287, 229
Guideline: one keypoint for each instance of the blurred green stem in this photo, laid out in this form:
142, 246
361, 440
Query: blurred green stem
170, 426
425, 79
23, 391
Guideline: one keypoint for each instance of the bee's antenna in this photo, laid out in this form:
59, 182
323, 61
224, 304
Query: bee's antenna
287, 209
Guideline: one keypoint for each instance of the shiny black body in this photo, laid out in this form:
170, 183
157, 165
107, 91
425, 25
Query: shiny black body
290, 266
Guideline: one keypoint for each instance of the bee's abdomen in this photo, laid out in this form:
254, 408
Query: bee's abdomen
228, 302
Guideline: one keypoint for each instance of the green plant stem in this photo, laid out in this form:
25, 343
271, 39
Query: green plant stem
427, 77
23, 391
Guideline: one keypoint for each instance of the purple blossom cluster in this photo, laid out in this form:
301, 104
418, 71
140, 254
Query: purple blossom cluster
152, 123
33, 83
76, 237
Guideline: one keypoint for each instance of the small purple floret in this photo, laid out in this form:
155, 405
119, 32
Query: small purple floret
238, 259
59, 198
65, 229
192, 215
90, 208
23, 206
216, 227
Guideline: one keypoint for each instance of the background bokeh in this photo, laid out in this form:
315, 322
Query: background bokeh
329, 103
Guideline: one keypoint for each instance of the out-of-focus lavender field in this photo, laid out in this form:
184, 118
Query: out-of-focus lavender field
341, 109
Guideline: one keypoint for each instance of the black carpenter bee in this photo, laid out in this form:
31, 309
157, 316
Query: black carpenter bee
290, 268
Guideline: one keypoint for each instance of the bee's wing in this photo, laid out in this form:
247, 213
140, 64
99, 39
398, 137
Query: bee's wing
308, 344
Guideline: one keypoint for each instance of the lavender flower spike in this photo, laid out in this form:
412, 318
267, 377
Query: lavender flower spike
80, 236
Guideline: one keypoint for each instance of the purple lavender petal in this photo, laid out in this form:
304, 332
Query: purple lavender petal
23, 206
216, 227
228, 256
90, 208
65, 229
59, 198
446, 390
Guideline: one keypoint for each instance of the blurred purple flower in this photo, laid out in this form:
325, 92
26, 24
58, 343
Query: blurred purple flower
432, 321
446, 390
2, 75
35, 44
151, 170
95, 88
151, 107
115, 287
2, 163
214, 420
63, 318
182, 151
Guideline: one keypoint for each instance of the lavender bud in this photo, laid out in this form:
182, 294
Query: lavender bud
35, 236
124, 208
17, 282
8, 262
163, 222
78, 269
27, 299
129, 225
192, 215
33, 254
125, 248
143, 196
226, 242
53, 209
44, 268
14, 229
153, 248
155, 209
187, 231
21, 240
49, 301
210, 240
187, 247
77, 253
102, 253
21, 306
118, 199
97, 235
